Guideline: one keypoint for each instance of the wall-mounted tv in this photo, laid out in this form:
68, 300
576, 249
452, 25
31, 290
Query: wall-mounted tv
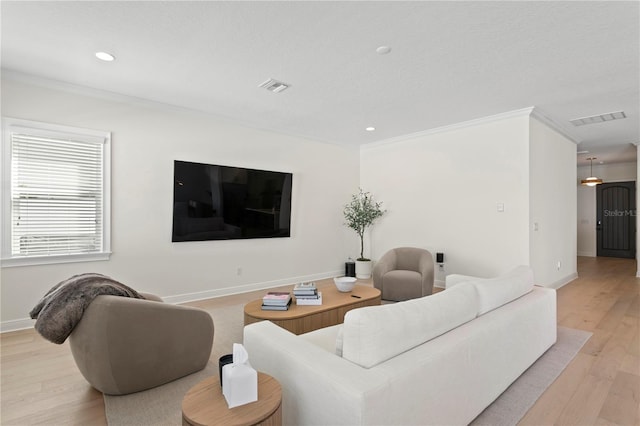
213, 202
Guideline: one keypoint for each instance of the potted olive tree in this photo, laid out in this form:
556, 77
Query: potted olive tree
359, 214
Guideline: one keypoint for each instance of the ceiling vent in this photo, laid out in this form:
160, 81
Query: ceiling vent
601, 118
274, 85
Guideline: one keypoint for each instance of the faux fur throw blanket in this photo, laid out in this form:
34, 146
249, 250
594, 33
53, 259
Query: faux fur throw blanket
62, 307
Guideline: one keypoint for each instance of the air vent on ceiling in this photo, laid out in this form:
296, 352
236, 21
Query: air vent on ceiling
274, 85
601, 118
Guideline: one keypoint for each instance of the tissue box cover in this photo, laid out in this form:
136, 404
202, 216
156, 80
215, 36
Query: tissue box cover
239, 384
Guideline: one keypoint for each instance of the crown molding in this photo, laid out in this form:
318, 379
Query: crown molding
76, 89
117, 97
20, 77
449, 128
552, 124
529, 111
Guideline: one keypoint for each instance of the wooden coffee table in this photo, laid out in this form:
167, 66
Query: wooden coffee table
205, 404
302, 319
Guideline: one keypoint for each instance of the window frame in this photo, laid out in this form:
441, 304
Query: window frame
7, 259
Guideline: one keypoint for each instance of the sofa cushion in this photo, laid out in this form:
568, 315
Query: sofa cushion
495, 292
401, 285
374, 334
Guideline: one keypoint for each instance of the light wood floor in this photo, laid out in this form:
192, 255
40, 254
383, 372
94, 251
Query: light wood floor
601, 386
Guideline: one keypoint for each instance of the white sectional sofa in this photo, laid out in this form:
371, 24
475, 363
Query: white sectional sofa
437, 360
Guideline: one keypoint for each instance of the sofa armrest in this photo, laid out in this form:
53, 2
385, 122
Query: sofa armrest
318, 387
454, 279
124, 345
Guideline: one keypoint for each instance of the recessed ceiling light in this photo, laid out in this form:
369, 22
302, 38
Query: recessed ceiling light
370, 129
383, 50
104, 56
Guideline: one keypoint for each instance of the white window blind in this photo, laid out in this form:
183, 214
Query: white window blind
58, 197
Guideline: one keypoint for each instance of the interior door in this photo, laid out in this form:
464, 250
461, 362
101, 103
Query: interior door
616, 219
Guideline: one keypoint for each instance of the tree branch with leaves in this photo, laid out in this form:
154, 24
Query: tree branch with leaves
360, 213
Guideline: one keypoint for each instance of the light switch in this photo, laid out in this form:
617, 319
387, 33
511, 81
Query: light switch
500, 207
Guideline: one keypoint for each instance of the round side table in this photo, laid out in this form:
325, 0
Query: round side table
204, 405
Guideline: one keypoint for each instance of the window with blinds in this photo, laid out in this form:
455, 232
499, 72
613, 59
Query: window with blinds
58, 193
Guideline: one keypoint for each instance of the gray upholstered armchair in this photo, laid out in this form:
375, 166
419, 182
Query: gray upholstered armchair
404, 273
124, 345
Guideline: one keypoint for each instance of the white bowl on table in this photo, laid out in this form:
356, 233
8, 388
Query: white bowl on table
345, 284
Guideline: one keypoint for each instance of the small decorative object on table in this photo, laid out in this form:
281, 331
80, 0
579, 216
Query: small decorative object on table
307, 294
345, 284
350, 268
310, 300
305, 289
224, 360
239, 379
276, 301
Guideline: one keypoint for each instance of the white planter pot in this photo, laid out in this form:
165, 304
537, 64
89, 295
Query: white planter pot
363, 269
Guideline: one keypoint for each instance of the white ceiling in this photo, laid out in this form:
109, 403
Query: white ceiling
450, 62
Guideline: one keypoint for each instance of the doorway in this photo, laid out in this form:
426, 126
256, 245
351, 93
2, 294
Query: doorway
616, 219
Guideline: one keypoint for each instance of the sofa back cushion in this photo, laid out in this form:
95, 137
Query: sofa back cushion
495, 292
372, 335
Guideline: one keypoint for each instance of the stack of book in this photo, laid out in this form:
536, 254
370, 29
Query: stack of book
276, 301
307, 294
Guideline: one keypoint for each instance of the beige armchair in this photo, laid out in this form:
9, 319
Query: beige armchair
124, 345
404, 273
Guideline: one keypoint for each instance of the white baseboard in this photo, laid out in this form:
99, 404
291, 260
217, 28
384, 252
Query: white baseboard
439, 284
586, 254
21, 324
563, 281
228, 291
15, 325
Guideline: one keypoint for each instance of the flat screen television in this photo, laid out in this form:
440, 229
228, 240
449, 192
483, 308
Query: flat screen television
214, 202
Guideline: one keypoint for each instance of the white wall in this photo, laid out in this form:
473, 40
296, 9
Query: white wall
146, 138
553, 199
586, 200
442, 191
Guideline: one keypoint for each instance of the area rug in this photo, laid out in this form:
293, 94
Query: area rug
163, 405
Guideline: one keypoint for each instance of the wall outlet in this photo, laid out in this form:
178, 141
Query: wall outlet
559, 265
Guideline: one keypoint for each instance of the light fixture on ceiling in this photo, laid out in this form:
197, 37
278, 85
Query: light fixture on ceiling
600, 118
591, 180
383, 50
370, 129
104, 56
